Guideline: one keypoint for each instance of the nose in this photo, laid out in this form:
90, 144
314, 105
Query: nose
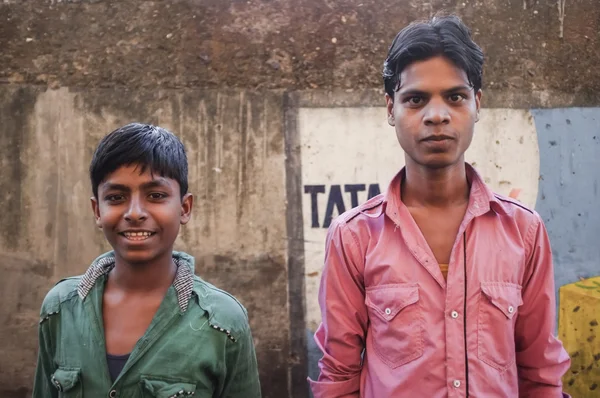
136, 211
436, 113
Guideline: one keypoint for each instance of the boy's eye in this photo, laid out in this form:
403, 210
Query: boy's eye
157, 195
114, 198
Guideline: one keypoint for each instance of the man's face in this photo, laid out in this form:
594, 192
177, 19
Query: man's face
140, 213
434, 113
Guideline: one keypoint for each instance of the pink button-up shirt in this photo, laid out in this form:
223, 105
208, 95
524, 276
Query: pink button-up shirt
485, 332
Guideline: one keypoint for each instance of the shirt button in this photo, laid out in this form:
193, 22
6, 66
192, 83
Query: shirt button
456, 383
388, 311
57, 384
511, 309
454, 314
112, 394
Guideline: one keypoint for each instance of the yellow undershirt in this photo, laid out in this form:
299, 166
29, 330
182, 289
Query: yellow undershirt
444, 269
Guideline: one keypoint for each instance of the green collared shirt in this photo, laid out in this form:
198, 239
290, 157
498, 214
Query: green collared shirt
198, 344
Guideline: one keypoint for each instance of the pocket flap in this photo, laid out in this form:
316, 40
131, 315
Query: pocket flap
389, 300
65, 379
504, 296
167, 389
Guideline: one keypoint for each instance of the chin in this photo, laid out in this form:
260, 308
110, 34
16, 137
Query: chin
133, 257
441, 161
439, 165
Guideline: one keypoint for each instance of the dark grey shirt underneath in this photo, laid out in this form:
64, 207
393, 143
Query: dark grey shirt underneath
116, 363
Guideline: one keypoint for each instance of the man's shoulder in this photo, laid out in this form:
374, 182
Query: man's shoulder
225, 312
514, 208
64, 290
516, 213
372, 208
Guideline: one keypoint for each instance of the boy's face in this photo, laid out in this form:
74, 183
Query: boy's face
140, 213
434, 112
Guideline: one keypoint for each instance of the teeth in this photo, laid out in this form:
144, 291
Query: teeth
137, 234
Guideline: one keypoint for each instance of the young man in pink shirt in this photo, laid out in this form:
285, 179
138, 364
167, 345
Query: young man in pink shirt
438, 287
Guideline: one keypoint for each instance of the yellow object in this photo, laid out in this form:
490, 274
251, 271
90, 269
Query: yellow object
444, 269
579, 331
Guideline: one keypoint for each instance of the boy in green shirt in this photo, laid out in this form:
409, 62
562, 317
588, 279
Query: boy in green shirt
139, 323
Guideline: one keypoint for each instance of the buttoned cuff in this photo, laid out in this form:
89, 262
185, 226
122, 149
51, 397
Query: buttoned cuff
336, 389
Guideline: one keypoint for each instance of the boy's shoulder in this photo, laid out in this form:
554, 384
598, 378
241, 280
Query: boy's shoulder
225, 312
64, 290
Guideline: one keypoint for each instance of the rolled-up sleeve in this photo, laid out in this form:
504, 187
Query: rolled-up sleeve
541, 357
341, 335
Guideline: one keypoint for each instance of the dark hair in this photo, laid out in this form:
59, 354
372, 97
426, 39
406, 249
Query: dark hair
447, 36
140, 144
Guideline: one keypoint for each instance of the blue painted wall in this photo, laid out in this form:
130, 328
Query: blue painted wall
569, 189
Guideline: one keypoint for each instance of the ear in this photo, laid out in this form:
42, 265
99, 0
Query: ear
187, 202
389, 102
96, 210
478, 103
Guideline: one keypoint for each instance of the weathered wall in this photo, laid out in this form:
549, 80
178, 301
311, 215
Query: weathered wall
301, 44
257, 89
235, 151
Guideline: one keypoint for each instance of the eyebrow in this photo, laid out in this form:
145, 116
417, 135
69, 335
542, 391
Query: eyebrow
421, 93
157, 183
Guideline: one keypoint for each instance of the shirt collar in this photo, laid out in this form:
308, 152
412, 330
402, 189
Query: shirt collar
481, 198
183, 283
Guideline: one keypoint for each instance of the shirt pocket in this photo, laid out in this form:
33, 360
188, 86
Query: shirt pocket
161, 388
396, 322
498, 307
68, 382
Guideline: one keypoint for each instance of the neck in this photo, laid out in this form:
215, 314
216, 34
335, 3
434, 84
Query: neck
444, 187
147, 277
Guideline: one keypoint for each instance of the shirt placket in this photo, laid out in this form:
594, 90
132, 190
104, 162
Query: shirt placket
456, 311
93, 306
455, 320
166, 314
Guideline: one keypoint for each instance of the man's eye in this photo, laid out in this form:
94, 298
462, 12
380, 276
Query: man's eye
415, 100
457, 98
157, 195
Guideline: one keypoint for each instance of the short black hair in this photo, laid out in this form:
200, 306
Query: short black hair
144, 145
447, 36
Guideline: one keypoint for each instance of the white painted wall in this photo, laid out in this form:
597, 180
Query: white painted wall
356, 146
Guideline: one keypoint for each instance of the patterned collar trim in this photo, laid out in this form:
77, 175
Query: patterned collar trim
183, 283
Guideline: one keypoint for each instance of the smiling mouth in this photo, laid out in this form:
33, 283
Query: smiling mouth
137, 236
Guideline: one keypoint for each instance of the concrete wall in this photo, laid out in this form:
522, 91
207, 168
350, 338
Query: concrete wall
270, 97
275, 44
235, 149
